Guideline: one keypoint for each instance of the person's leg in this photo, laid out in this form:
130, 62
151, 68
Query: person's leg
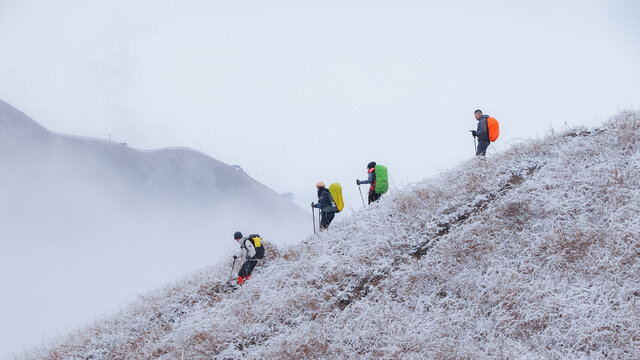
252, 266
323, 221
330, 217
244, 272
373, 196
482, 148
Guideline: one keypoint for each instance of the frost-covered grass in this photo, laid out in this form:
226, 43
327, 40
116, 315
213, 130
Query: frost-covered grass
531, 254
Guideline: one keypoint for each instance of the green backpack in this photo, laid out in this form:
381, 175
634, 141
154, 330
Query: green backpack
382, 180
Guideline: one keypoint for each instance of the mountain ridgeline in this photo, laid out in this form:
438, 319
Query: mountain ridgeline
171, 176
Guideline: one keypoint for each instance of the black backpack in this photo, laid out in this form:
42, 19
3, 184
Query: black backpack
256, 240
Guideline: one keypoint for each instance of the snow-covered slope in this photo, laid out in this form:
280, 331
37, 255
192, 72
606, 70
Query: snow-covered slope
85, 224
531, 254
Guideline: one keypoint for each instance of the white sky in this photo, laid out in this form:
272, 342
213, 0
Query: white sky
297, 92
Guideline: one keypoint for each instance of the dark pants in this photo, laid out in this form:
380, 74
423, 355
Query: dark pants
326, 219
247, 267
482, 148
373, 196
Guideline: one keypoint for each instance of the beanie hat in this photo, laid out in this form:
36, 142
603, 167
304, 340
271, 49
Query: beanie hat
320, 184
237, 235
371, 165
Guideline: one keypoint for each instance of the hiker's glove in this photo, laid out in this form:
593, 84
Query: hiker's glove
235, 257
474, 133
357, 181
313, 204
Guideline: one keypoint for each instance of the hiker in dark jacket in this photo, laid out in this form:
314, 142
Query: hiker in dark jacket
482, 133
373, 196
254, 250
326, 205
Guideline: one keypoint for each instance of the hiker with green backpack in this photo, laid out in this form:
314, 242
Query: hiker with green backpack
378, 180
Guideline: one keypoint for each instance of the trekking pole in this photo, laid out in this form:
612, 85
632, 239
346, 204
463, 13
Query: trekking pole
232, 266
475, 147
313, 216
361, 197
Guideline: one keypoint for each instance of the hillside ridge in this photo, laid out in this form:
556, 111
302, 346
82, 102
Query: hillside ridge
531, 254
175, 174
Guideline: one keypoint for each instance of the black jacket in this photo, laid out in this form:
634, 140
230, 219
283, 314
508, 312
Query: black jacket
483, 130
325, 202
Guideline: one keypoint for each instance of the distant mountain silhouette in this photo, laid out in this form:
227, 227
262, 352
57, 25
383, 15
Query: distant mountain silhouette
169, 177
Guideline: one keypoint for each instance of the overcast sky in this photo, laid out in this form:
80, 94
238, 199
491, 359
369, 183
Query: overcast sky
301, 91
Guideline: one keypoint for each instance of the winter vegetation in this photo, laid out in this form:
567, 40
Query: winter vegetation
531, 254
86, 224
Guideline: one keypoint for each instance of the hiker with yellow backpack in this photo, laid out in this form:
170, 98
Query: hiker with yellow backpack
329, 202
487, 132
378, 181
254, 251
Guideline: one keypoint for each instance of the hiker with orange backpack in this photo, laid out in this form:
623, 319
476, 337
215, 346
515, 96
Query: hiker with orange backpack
326, 204
487, 132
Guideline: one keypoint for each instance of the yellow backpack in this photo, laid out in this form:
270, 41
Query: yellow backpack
336, 193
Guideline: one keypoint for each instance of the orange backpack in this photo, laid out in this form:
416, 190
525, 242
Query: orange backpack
494, 129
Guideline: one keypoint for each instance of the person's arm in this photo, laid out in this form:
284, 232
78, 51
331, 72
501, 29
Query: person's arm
483, 131
251, 250
243, 249
372, 176
371, 179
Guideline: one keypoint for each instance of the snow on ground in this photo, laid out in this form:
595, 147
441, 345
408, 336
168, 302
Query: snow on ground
531, 254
